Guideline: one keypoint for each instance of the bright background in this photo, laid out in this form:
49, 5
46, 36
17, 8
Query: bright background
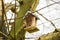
52, 13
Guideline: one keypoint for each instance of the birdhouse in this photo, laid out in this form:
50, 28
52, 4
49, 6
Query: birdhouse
31, 23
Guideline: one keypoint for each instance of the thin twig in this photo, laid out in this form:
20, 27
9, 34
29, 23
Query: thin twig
4, 34
14, 22
54, 1
46, 6
3, 26
48, 20
3, 13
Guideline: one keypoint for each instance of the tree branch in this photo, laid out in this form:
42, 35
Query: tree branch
48, 20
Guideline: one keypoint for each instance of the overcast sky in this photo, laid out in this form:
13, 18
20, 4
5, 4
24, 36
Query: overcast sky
52, 12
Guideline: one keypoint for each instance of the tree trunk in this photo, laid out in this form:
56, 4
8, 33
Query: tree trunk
19, 28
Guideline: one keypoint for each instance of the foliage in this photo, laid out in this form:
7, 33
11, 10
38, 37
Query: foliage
18, 32
51, 36
23, 9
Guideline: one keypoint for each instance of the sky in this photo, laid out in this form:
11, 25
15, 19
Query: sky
51, 13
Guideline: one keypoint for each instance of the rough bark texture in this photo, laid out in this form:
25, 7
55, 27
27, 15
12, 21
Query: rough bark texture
51, 36
19, 28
